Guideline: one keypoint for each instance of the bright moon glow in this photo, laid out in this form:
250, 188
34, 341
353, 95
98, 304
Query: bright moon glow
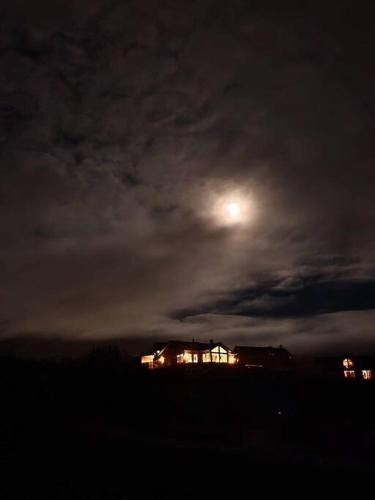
233, 210
230, 207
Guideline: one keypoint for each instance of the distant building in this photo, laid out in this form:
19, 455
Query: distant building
348, 367
177, 352
266, 358
358, 367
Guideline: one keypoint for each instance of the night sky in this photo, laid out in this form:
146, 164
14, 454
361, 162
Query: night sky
126, 129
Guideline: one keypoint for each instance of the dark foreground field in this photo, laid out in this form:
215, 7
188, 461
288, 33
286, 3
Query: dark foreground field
97, 431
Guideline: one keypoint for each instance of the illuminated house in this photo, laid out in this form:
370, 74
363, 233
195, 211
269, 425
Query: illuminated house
175, 353
348, 367
267, 358
358, 368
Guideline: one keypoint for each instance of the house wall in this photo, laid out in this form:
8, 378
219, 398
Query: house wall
190, 356
268, 361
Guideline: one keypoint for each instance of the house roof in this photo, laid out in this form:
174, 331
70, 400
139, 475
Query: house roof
255, 350
159, 346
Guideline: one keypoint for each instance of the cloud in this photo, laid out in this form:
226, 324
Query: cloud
122, 123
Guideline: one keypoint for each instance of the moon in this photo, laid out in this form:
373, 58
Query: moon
233, 210
234, 207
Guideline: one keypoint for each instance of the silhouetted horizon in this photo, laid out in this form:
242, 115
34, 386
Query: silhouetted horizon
38, 348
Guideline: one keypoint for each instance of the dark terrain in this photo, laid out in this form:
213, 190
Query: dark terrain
103, 429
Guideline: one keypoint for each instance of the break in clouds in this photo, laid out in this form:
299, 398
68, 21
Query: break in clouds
123, 125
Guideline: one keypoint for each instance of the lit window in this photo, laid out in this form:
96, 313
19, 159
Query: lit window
206, 357
188, 357
348, 363
162, 359
349, 373
219, 355
367, 374
195, 358
180, 358
232, 359
149, 358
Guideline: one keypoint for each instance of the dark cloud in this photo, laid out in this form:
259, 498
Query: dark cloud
123, 123
301, 299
